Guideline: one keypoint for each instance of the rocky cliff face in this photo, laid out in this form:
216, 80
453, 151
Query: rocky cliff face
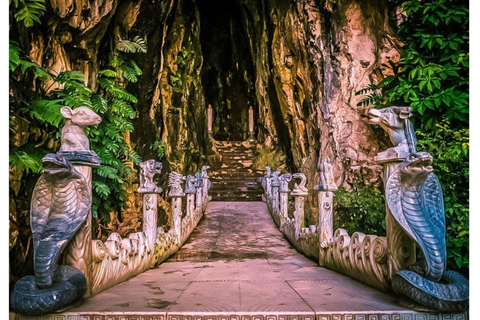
298, 64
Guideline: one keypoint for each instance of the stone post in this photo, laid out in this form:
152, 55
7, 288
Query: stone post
401, 248
268, 184
250, 123
206, 185
299, 192
209, 119
395, 121
199, 190
75, 148
325, 208
190, 192
275, 195
176, 193
149, 191
284, 180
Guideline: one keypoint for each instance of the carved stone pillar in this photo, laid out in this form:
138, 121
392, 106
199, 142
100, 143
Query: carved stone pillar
268, 183
75, 147
325, 208
176, 193
149, 190
401, 248
190, 192
275, 195
284, 191
299, 192
199, 191
206, 185
78, 253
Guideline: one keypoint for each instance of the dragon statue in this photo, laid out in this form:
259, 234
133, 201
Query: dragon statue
415, 199
148, 169
175, 183
60, 205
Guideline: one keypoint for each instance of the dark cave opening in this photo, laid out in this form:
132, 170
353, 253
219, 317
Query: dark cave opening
227, 73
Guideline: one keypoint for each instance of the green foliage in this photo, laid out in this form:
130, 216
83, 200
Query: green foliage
159, 147
434, 65
28, 11
360, 209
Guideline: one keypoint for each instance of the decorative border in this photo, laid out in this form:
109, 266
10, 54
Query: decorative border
249, 316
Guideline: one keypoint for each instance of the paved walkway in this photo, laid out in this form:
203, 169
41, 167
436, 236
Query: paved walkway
237, 263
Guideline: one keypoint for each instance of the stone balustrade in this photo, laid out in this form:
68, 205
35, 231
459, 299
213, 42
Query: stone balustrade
119, 259
363, 257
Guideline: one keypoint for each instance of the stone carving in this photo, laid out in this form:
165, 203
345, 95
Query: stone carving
148, 169
362, 257
174, 182
190, 184
327, 181
206, 184
394, 120
60, 204
300, 189
415, 199
73, 133
284, 180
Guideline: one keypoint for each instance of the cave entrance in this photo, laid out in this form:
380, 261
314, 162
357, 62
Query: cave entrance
227, 72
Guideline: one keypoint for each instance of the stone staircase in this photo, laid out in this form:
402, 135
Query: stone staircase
236, 179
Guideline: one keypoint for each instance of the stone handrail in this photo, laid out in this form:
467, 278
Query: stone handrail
119, 259
363, 257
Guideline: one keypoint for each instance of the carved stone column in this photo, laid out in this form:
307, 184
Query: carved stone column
149, 190
176, 193
325, 208
199, 191
275, 195
401, 248
299, 192
190, 192
284, 179
75, 147
206, 185
268, 183
395, 121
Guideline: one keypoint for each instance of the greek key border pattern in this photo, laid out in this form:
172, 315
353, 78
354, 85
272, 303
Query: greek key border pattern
173, 316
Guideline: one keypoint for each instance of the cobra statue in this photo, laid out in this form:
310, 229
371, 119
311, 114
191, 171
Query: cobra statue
60, 204
59, 207
415, 198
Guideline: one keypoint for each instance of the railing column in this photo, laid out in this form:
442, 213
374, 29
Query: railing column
199, 190
299, 192
268, 184
149, 191
206, 185
284, 191
325, 208
275, 195
176, 193
190, 192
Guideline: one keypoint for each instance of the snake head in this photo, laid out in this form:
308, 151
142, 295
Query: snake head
56, 166
417, 164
